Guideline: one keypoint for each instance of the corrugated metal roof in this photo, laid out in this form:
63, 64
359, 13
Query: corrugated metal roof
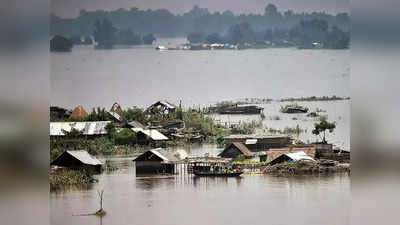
251, 141
254, 136
152, 133
85, 157
88, 128
136, 124
165, 155
168, 105
242, 148
300, 155
115, 115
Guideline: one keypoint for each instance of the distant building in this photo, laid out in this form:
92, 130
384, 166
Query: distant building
256, 142
116, 112
148, 136
162, 107
78, 159
234, 150
157, 161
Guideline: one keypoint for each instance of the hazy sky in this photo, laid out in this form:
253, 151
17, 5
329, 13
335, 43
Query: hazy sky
70, 8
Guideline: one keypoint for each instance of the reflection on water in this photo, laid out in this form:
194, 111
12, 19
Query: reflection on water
250, 199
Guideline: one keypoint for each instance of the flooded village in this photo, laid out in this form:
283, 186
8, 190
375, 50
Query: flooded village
160, 137
203, 117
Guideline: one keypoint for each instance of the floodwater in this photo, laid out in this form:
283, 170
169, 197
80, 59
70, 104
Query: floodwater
336, 111
250, 199
141, 75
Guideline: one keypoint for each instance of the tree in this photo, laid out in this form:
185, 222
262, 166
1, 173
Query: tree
196, 37
111, 130
337, 39
271, 10
125, 137
323, 126
135, 113
104, 33
60, 44
241, 33
214, 38
127, 37
148, 39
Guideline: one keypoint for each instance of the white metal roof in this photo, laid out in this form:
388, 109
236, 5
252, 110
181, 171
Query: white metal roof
300, 155
85, 157
88, 128
251, 141
152, 133
167, 104
115, 115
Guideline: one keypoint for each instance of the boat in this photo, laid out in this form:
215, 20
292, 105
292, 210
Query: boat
212, 174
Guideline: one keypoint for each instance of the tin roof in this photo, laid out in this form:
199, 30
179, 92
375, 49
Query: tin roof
300, 155
255, 136
136, 124
88, 128
165, 155
251, 141
168, 105
79, 113
152, 133
81, 155
242, 148
85, 157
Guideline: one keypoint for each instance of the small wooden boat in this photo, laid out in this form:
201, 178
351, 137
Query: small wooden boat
212, 174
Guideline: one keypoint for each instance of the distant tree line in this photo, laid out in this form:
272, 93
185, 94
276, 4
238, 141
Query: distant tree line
105, 34
163, 23
313, 33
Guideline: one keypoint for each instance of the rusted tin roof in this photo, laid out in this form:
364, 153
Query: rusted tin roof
79, 113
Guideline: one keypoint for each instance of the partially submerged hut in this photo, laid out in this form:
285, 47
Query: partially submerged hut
158, 161
79, 159
292, 157
146, 136
234, 150
274, 153
79, 113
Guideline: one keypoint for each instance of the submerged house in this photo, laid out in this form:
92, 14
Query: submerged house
147, 136
291, 157
79, 159
308, 149
158, 161
162, 107
260, 142
236, 149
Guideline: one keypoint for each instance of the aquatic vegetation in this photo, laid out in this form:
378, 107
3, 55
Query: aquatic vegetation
64, 177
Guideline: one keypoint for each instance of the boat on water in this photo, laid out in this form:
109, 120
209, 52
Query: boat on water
212, 174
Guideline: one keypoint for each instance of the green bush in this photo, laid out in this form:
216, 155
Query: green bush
125, 137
